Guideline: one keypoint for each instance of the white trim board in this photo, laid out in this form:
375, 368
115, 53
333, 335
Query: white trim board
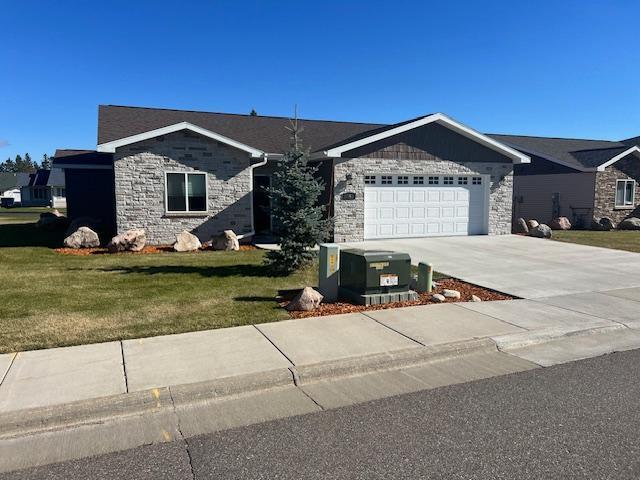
442, 119
620, 156
110, 147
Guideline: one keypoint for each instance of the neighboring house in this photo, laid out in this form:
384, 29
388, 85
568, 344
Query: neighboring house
171, 170
10, 184
577, 179
46, 188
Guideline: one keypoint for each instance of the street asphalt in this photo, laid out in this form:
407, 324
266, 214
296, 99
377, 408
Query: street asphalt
577, 420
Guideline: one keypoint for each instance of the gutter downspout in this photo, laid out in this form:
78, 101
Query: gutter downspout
251, 168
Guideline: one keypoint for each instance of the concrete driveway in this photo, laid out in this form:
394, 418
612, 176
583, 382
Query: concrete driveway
521, 266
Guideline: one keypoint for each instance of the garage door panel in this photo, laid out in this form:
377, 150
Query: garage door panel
402, 212
418, 196
386, 196
399, 209
403, 196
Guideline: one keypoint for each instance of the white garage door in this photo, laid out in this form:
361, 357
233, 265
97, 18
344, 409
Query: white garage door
398, 206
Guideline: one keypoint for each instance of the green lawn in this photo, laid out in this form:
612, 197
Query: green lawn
620, 240
49, 299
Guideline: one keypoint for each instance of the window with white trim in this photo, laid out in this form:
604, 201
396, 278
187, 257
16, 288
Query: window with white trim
386, 179
403, 180
186, 192
434, 180
476, 181
419, 180
463, 180
369, 179
448, 181
625, 193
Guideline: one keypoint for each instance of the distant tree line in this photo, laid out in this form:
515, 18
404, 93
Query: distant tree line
25, 164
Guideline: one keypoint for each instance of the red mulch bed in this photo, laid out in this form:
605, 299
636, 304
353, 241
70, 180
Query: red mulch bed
149, 249
465, 289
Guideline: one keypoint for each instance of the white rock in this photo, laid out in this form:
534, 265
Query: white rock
227, 240
186, 242
308, 299
475, 298
541, 231
84, 237
451, 293
133, 240
436, 297
532, 223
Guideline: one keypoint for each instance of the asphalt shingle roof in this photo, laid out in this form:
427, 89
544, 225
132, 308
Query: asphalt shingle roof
270, 135
580, 153
8, 181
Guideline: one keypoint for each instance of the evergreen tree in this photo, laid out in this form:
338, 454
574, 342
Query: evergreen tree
46, 162
253, 112
8, 165
298, 218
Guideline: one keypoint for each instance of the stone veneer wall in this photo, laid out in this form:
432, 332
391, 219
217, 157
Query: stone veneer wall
605, 193
140, 186
349, 214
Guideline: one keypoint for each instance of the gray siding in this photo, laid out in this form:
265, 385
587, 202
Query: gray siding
533, 195
140, 186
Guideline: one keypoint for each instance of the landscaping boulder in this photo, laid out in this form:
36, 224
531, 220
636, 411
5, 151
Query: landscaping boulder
521, 226
541, 231
93, 223
451, 293
607, 224
532, 224
52, 220
131, 240
186, 242
84, 237
631, 223
227, 240
308, 299
475, 298
436, 297
597, 226
560, 223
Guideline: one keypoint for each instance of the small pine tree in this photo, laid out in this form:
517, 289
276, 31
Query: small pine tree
298, 218
46, 162
253, 112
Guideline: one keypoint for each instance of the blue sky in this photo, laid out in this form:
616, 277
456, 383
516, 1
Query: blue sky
557, 68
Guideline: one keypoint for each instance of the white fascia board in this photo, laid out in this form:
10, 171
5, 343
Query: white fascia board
620, 156
489, 142
110, 147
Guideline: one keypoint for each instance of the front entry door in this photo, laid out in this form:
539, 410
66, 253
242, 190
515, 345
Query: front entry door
261, 204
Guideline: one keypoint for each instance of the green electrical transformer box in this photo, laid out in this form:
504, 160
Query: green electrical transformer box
369, 272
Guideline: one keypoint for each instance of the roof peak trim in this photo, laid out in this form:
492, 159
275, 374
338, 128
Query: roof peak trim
620, 156
110, 147
515, 155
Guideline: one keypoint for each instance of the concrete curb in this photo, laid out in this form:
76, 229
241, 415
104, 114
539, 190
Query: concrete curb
515, 341
166, 399
388, 360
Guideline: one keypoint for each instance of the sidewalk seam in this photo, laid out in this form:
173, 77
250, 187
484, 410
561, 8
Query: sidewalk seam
274, 345
393, 329
6, 374
619, 322
124, 368
494, 317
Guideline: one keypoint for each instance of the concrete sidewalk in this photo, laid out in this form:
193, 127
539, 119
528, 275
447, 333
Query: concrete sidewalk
61, 375
187, 384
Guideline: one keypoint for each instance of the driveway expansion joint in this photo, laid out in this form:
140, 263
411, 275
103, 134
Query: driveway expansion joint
124, 368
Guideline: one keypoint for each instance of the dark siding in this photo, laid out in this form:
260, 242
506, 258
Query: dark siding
541, 166
430, 142
91, 193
